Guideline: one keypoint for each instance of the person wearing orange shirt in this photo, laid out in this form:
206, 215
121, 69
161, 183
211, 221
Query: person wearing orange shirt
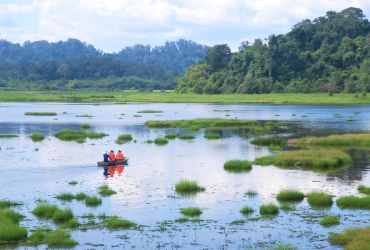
119, 156
111, 155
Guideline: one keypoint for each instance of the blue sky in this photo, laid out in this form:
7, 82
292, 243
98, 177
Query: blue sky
111, 25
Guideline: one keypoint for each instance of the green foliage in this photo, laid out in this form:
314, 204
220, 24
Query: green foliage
92, 201
8, 136
10, 231
63, 215
9, 203
330, 220
85, 126
319, 199
45, 210
251, 193
364, 189
73, 182
65, 196
59, 238
264, 161
186, 137
237, 165
201, 122
191, 211
352, 201
149, 111
160, 141
41, 113
116, 223
212, 136
246, 210
268, 141
352, 238
37, 137
340, 140
106, 191
170, 136
124, 137
269, 209
188, 186
290, 195
78, 136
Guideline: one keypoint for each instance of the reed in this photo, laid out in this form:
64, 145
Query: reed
65, 196
170, 136
160, 141
9, 203
319, 199
268, 142
37, 137
352, 201
8, 136
246, 210
351, 238
60, 238
330, 220
106, 191
114, 223
269, 209
264, 161
251, 193
211, 136
41, 113
63, 215
340, 140
85, 126
237, 165
188, 186
92, 201
290, 195
364, 189
45, 210
191, 211
201, 122
149, 111
186, 137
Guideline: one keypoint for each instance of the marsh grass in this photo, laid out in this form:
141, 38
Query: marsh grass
85, 115
287, 206
284, 247
92, 201
45, 210
41, 113
9, 203
330, 220
124, 137
186, 137
116, 223
201, 123
364, 189
354, 202
85, 126
137, 115
160, 141
211, 136
11, 232
70, 135
338, 140
275, 148
188, 187
182, 219
73, 183
72, 223
170, 136
149, 111
319, 199
65, 196
149, 141
251, 193
94, 135
191, 211
11, 215
8, 136
64, 215
268, 142
290, 195
246, 210
36, 137
59, 238
264, 161
106, 191
238, 166
269, 209
352, 238
259, 130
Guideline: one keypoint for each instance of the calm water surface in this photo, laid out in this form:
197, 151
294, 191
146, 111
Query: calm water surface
40, 170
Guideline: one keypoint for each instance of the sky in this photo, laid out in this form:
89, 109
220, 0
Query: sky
111, 25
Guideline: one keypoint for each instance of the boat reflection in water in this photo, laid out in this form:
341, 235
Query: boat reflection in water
111, 170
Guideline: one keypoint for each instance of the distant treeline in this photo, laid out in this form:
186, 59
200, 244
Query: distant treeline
329, 54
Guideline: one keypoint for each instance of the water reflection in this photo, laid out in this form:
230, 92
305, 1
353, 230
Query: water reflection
110, 171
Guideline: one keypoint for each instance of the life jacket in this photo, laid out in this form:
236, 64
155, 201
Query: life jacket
119, 156
111, 156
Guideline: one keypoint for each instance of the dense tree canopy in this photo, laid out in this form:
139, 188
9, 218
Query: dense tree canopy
328, 54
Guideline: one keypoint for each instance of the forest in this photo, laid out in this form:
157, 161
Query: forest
330, 54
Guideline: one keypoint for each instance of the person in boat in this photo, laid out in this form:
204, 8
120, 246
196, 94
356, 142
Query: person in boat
119, 156
105, 156
111, 156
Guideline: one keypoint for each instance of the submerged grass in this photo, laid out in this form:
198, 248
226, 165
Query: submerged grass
268, 142
188, 186
319, 199
8, 136
290, 195
45, 210
106, 191
201, 123
160, 141
364, 189
92, 201
330, 220
186, 137
269, 209
237, 165
9, 203
77, 135
352, 238
41, 113
352, 201
339, 140
36, 137
246, 210
191, 211
211, 136
149, 111
65, 196
85, 126
170, 136
116, 223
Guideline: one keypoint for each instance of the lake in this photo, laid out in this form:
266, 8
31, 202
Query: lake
33, 171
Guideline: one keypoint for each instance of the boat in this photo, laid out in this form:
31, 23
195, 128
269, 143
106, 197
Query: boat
113, 163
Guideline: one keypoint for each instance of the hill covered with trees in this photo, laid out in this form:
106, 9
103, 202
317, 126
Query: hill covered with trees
328, 54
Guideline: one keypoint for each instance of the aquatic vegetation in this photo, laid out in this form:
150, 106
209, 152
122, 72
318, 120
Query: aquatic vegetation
11, 215
10, 231
94, 135
330, 220
116, 223
352, 201
290, 195
201, 122
149, 111
269, 209
188, 186
106, 191
92, 201
259, 130
275, 148
85, 126
62, 215
284, 247
287, 207
281, 124
191, 211
160, 141
41, 113
319, 199
264, 161
170, 136
124, 137
149, 141
364, 189
72, 223
85, 115
340, 140
59, 238
65, 196
45, 210
8, 136
268, 142
182, 219
9, 203
352, 238
246, 210
237, 165
212, 136
73, 183
77, 135
137, 115
36, 137
251, 193
186, 137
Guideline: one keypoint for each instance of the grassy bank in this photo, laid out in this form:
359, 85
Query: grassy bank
170, 96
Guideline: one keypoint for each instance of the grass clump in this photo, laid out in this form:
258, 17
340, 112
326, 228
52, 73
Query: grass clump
170, 136
106, 191
264, 161
70, 135
319, 199
94, 135
85, 126
191, 211
8, 136
45, 210
269, 209
285, 247
290, 195
188, 186
352, 201
237, 165
63, 215
9, 203
287, 207
246, 210
330, 220
340, 140
85, 115
65, 196
59, 238
73, 183
352, 238
201, 122
124, 137
182, 219
211, 136
251, 193
268, 142
80, 196
149, 141
160, 141
186, 137
37, 137
10, 231
115, 223
41, 113
364, 189
149, 111
92, 201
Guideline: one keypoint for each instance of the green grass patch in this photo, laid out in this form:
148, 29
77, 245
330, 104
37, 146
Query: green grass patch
330, 220
36, 137
80, 196
9, 203
364, 189
290, 195
211, 136
10, 215
45, 210
268, 142
238, 166
77, 135
319, 199
11, 232
8, 136
137, 115
269, 209
160, 141
188, 186
201, 122
73, 183
259, 130
92, 201
95, 135
354, 202
64, 215
284, 247
149, 111
149, 141
264, 161
170, 136
85, 115
246, 210
352, 238
275, 148
85, 126
338, 140
191, 211
182, 219
65, 196
124, 137
287, 207
41, 113
116, 223
72, 223
251, 193
186, 137
59, 238
106, 191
